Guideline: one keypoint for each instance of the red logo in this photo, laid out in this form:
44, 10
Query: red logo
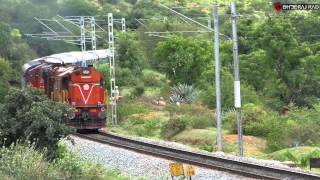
278, 6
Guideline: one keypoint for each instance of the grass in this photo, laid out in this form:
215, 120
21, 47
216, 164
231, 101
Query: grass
127, 108
126, 91
24, 162
152, 78
142, 118
253, 146
152, 91
299, 152
299, 155
142, 124
196, 136
204, 138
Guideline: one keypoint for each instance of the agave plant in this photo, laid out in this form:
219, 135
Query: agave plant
175, 98
183, 93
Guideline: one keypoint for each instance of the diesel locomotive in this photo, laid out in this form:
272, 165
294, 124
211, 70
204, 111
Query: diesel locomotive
63, 79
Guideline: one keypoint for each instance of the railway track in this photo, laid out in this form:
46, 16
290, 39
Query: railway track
200, 159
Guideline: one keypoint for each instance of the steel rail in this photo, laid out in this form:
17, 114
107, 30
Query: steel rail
200, 159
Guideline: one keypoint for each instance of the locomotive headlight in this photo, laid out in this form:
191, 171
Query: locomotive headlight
86, 72
86, 87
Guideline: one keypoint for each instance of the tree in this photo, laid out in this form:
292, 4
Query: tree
26, 114
206, 84
183, 59
5, 77
280, 63
78, 8
5, 39
129, 53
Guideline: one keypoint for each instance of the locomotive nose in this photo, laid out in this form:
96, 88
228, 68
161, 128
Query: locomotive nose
85, 114
102, 115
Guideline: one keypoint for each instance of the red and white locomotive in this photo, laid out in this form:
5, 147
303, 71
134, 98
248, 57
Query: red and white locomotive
62, 80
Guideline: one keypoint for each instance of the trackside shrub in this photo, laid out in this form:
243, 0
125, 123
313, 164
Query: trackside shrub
199, 122
142, 127
194, 115
22, 162
207, 147
137, 91
25, 162
68, 166
26, 114
172, 127
300, 127
254, 117
153, 78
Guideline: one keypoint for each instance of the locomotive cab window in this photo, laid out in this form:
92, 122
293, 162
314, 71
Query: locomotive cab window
65, 83
86, 72
102, 83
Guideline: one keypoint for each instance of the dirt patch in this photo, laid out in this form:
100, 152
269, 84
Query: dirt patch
233, 138
146, 116
252, 145
151, 116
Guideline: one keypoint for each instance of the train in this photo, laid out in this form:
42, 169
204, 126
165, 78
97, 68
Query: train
64, 78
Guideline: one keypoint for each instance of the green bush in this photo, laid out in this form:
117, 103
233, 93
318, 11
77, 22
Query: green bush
142, 127
277, 137
199, 122
125, 77
5, 76
147, 128
27, 115
24, 162
68, 166
153, 78
207, 147
165, 91
172, 127
206, 84
190, 110
254, 118
194, 115
150, 126
300, 127
137, 91
305, 160
298, 155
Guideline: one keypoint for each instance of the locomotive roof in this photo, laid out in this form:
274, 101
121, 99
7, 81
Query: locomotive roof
64, 71
69, 58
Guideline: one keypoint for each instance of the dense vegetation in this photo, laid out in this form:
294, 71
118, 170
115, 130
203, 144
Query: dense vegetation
279, 56
24, 161
26, 115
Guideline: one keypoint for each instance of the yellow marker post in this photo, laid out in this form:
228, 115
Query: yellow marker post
176, 169
189, 171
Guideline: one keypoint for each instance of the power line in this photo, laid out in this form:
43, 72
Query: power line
311, 35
